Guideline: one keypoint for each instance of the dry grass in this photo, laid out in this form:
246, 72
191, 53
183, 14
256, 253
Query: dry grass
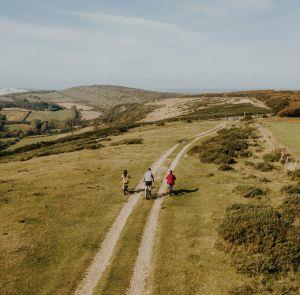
186, 256
56, 210
47, 115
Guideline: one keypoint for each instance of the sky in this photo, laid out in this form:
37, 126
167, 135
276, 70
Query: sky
157, 44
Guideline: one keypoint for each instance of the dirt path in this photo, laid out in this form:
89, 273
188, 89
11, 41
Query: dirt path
142, 267
103, 256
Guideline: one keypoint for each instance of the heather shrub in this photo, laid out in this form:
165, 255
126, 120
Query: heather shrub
264, 166
225, 147
225, 167
272, 157
292, 188
260, 239
249, 191
128, 141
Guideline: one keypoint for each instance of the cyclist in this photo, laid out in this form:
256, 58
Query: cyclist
171, 182
148, 179
125, 180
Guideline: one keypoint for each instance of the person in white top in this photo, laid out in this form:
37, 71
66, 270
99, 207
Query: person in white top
148, 179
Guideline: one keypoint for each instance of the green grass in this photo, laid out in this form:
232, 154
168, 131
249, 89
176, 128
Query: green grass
56, 210
288, 134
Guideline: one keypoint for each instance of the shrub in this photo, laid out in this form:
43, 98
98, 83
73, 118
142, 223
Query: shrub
249, 163
294, 174
260, 239
291, 207
293, 110
292, 188
181, 140
225, 147
264, 166
265, 180
246, 154
249, 191
255, 227
272, 157
225, 167
128, 141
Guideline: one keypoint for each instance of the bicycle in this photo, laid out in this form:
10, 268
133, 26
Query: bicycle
148, 191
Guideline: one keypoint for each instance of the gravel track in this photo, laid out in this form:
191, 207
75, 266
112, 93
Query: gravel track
143, 265
103, 256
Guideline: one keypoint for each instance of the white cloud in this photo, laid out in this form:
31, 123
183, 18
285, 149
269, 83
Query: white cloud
220, 7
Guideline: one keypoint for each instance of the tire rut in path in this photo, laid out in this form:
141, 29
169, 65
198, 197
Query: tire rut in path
142, 267
103, 256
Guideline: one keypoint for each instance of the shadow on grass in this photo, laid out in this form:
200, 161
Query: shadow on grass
181, 192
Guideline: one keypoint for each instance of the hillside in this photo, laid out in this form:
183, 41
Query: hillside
101, 96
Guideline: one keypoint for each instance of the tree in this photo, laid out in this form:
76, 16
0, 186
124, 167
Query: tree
74, 112
36, 124
45, 126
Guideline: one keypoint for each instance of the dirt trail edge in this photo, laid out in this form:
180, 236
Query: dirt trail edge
142, 267
103, 256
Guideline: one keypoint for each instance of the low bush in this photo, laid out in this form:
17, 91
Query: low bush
292, 110
265, 180
285, 285
249, 163
225, 147
128, 141
246, 225
292, 188
294, 174
272, 157
260, 239
249, 191
264, 166
225, 167
181, 140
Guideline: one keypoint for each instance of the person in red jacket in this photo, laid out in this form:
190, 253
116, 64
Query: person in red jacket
171, 182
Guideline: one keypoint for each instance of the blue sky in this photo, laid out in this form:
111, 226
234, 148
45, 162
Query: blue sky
165, 44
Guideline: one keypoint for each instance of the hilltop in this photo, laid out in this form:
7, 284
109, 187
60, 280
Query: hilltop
101, 96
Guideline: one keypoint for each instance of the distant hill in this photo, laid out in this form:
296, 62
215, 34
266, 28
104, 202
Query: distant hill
103, 96
5, 91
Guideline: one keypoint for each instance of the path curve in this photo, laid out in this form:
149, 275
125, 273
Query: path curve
142, 267
103, 256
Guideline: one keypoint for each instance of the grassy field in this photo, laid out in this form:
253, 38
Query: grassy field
186, 256
50, 232
14, 127
47, 115
288, 134
15, 114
